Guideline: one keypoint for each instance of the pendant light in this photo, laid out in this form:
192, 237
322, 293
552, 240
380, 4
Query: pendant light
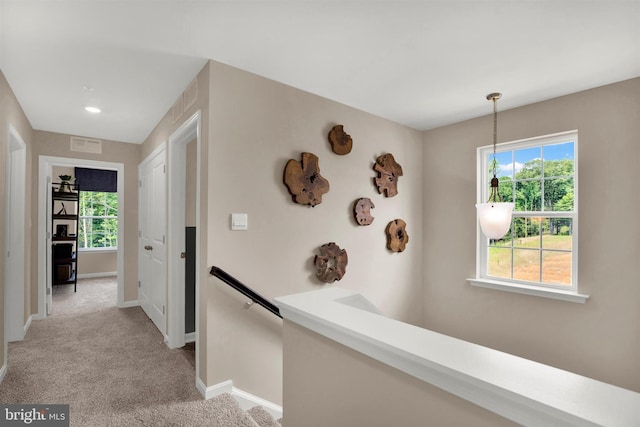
495, 215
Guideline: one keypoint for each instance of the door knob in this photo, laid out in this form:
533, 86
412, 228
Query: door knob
148, 247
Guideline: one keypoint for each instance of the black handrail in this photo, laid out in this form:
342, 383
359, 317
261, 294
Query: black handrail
245, 290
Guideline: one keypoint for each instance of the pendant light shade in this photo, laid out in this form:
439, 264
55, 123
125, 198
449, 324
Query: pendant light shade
495, 215
495, 219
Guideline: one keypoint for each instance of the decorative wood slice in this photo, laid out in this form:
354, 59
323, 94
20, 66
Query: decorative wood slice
303, 180
341, 142
361, 211
388, 173
397, 237
331, 263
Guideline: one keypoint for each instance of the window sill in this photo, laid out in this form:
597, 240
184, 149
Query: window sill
558, 294
93, 250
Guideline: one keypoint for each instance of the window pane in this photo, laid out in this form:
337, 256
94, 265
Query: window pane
98, 226
504, 165
112, 204
527, 232
558, 194
528, 196
559, 160
528, 164
499, 262
505, 241
557, 234
103, 233
556, 267
526, 264
99, 207
505, 188
110, 227
504, 172
84, 233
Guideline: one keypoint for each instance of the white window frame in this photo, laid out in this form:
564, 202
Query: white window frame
102, 248
483, 279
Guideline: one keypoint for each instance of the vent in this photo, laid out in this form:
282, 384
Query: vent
86, 145
184, 101
177, 109
190, 94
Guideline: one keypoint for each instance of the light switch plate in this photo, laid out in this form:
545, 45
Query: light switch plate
239, 221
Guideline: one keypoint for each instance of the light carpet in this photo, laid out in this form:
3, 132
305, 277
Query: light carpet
112, 366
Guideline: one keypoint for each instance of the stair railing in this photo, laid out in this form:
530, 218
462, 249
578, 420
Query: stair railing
245, 290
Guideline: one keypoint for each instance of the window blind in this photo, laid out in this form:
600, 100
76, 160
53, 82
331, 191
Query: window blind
97, 179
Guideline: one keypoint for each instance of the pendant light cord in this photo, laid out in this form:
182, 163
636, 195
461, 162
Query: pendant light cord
495, 193
495, 132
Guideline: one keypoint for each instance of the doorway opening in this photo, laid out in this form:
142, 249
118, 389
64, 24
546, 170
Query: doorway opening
48, 168
184, 154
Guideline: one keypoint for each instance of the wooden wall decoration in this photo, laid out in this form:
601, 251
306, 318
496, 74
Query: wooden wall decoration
303, 180
341, 142
388, 172
362, 211
331, 263
397, 237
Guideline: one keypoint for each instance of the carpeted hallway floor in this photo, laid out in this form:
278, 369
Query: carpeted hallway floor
109, 364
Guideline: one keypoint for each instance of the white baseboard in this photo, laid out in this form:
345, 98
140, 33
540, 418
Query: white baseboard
214, 390
246, 400
127, 304
94, 275
38, 316
27, 325
190, 337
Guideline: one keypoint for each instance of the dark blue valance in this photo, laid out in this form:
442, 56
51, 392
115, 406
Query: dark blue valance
97, 180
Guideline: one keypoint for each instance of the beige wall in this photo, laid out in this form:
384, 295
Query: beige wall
11, 114
57, 145
328, 384
257, 125
97, 263
598, 339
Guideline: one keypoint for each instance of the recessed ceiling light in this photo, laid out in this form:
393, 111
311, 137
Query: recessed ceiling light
94, 110
87, 88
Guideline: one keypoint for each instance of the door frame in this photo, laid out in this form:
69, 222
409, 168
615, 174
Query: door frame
177, 167
45, 166
15, 210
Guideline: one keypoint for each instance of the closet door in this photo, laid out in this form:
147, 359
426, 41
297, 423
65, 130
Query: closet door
152, 292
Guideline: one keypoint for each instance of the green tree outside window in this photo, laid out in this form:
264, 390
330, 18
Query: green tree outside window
98, 220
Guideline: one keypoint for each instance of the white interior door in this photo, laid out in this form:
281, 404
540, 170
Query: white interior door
14, 232
152, 241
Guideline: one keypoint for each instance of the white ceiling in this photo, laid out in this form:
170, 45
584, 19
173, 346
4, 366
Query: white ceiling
420, 63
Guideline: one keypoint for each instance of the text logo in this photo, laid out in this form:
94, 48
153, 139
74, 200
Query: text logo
34, 415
